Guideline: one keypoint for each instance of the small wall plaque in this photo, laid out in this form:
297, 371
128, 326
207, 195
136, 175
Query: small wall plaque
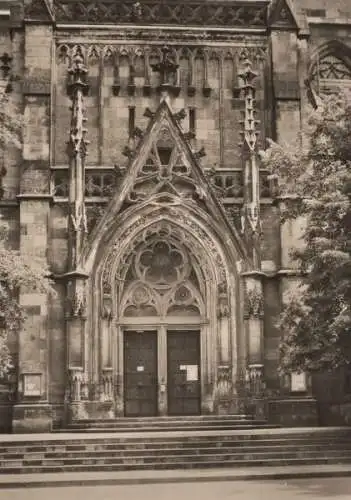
32, 384
298, 382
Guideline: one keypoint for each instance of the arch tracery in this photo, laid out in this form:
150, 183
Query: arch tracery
331, 66
207, 262
159, 279
161, 269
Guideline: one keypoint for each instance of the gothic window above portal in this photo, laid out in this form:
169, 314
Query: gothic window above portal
161, 281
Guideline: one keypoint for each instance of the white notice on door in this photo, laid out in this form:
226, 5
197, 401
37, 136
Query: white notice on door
192, 374
140, 368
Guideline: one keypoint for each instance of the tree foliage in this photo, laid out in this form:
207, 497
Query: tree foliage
16, 272
11, 118
314, 184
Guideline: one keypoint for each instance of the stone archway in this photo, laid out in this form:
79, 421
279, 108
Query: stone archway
163, 274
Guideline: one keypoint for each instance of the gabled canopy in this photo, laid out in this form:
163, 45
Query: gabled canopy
164, 169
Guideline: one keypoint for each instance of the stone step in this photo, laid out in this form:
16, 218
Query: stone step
121, 448
174, 450
202, 422
249, 450
83, 429
121, 442
163, 465
159, 460
171, 418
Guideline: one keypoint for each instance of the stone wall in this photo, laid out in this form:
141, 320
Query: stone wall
209, 84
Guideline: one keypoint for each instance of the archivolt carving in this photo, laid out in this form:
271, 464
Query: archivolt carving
207, 241
187, 232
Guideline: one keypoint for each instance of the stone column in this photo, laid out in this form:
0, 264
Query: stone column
162, 370
253, 315
224, 385
105, 407
106, 323
77, 229
32, 413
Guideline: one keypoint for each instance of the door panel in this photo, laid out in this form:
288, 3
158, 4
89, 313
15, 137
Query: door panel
183, 353
140, 373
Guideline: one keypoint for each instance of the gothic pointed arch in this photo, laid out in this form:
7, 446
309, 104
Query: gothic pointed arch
330, 66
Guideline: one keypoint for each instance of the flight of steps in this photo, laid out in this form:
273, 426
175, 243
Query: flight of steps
183, 423
174, 450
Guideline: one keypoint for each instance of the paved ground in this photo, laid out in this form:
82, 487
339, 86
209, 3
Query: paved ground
291, 489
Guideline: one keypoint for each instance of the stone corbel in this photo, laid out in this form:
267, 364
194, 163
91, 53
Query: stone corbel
206, 90
191, 90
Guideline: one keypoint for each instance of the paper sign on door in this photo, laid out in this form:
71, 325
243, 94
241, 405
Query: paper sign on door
192, 373
140, 368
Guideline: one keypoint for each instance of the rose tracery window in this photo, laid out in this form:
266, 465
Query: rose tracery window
160, 281
161, 264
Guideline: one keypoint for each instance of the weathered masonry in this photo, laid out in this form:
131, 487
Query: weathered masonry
139, 182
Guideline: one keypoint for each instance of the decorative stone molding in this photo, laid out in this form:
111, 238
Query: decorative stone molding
76, 382
224, 382
254, 304
254, 379
107, 384
190, 232
152, 12
223, 303
167, 68
223, 390
107, 307
76, 301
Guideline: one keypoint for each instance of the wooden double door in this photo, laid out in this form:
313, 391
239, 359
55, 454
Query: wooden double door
141, 372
